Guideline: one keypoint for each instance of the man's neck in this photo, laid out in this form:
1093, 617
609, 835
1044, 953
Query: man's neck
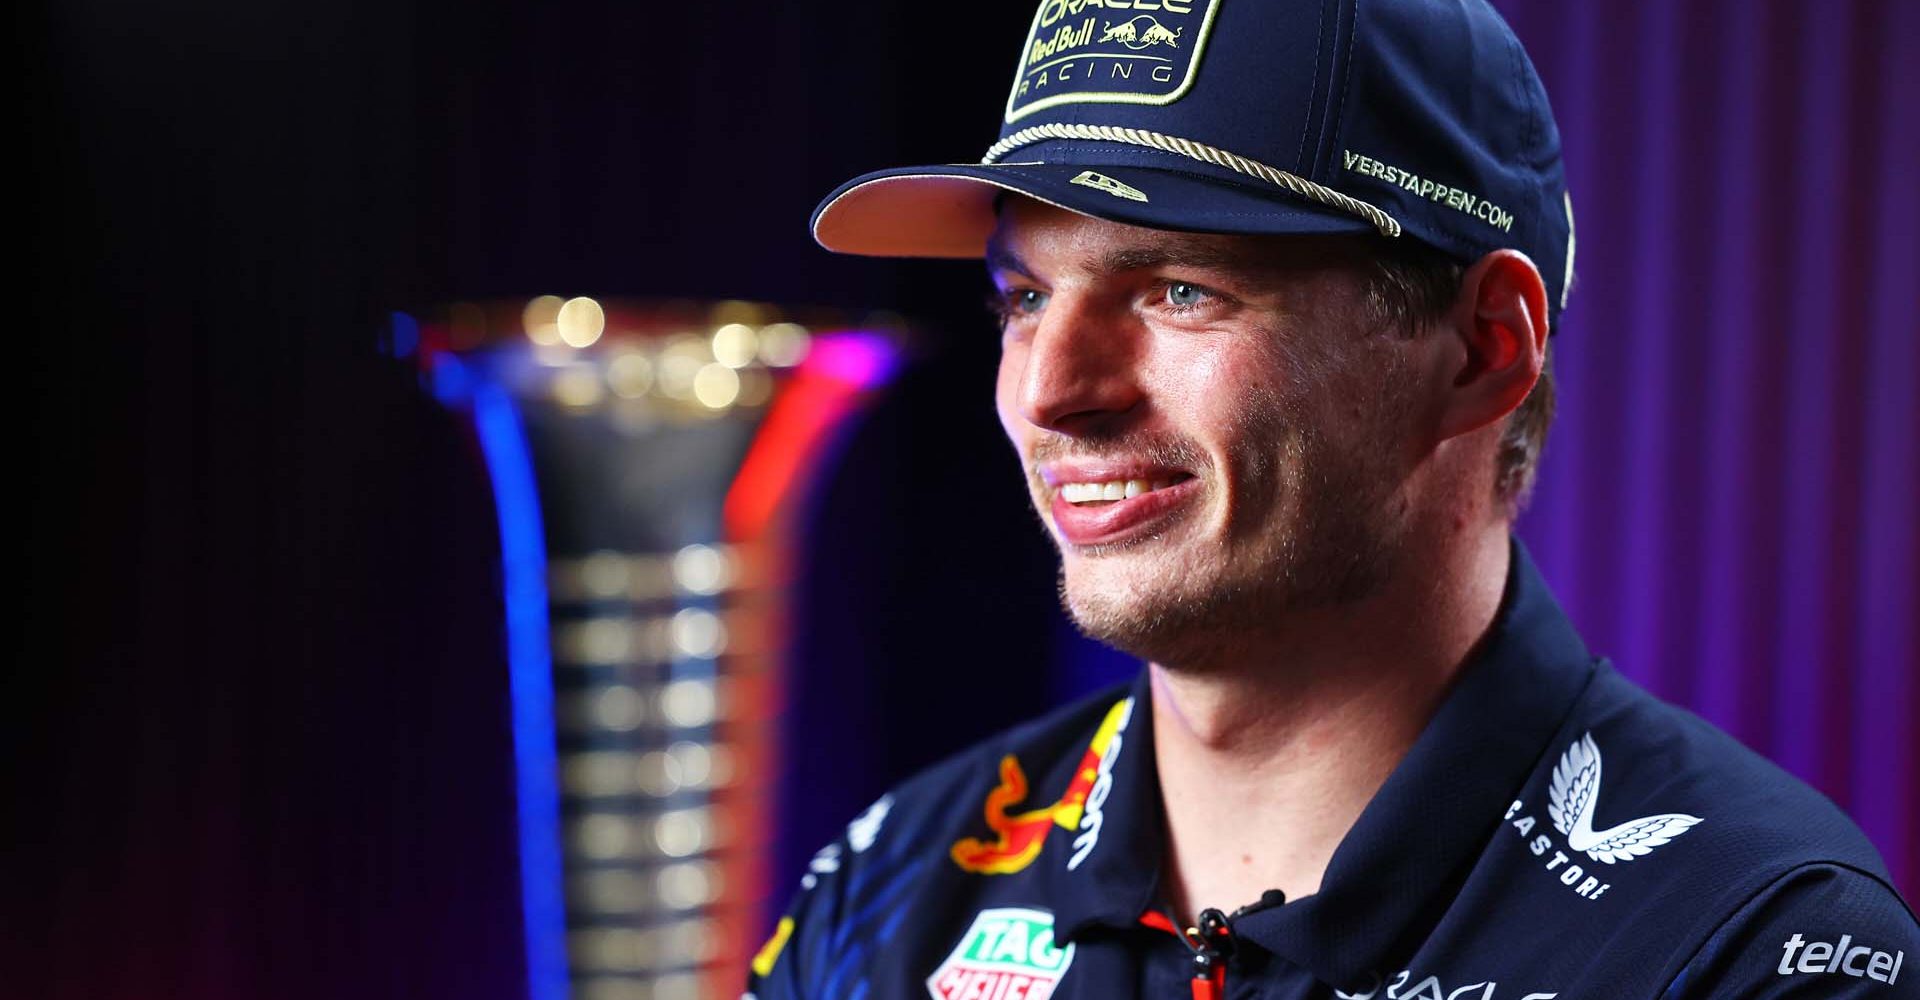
1266, 762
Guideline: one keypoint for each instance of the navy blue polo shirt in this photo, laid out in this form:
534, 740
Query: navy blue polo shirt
1554, 832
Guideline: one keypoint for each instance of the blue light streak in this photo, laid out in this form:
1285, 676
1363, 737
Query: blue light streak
523, 557
403, 336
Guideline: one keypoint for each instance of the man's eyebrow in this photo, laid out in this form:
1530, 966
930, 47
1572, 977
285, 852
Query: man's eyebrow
1199, 254
1183, 253
1001, 257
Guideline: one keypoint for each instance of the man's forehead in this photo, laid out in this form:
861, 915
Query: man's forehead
1028, 234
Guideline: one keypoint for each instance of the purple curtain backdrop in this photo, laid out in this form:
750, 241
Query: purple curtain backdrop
1728, 497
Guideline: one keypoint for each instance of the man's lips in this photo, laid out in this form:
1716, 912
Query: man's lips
1111, 503
1108, 470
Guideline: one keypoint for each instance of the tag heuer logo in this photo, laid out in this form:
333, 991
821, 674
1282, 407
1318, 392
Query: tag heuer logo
1119, 189
1008, 952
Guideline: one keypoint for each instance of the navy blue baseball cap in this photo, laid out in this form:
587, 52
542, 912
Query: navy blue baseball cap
1409, 118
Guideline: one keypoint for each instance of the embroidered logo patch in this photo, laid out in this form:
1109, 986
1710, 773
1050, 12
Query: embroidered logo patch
1101, 182
1570, 806
1008, 952
1575, 789
1018, 837
1110, 51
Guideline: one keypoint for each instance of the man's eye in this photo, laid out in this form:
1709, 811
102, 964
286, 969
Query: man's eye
1014, 302
1183, 295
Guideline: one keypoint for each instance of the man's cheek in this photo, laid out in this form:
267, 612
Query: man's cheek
1004, 402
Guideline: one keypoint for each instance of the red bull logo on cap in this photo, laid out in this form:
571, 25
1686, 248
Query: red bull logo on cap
1110, 51
1019, 837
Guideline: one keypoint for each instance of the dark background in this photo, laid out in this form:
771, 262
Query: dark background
261, 700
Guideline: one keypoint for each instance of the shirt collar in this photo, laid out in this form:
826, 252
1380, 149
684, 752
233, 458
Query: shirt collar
1120, 876
1397, 868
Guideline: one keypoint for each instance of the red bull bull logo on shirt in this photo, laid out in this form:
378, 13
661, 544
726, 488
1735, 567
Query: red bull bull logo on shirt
1019, 837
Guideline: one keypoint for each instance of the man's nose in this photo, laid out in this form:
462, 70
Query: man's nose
1079, 366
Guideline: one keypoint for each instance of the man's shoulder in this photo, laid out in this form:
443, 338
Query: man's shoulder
1819, 929
1692, 832
1651, 853
1647, 758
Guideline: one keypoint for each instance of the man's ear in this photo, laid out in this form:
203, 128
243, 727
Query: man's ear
1500, 319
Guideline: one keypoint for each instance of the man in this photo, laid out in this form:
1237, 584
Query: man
1276, 284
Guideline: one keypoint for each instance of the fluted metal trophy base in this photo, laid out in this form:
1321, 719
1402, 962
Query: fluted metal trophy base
642, 457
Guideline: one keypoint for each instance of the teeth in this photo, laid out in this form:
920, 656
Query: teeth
1118, 489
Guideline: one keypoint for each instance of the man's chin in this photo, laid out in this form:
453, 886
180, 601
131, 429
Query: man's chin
1148, 615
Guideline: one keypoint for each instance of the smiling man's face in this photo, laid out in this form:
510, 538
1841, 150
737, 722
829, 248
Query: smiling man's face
1215, 429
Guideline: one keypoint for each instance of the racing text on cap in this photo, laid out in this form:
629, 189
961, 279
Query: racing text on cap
1110, 51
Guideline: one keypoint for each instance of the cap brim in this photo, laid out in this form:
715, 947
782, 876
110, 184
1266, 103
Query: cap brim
948, 210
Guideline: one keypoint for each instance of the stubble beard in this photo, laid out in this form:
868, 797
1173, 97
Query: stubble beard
1334, 535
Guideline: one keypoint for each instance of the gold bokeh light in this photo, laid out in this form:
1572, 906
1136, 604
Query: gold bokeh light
735, 345
541, 320
630, 373
783, 345
580, 322
716, 386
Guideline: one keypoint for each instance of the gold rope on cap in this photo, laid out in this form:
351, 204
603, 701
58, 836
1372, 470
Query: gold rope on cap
1293, 183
